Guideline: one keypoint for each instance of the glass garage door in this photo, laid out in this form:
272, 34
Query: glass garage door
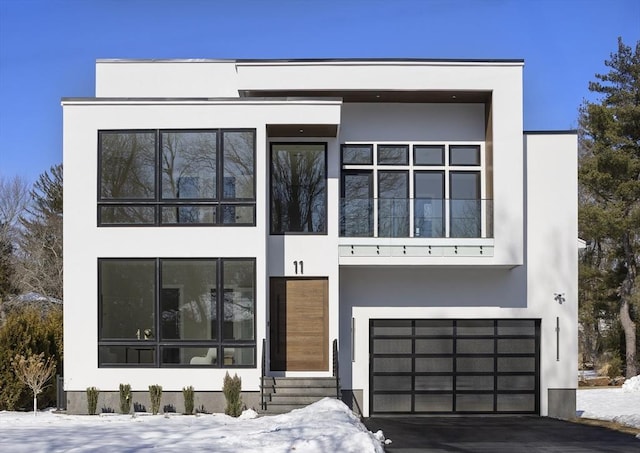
463, 366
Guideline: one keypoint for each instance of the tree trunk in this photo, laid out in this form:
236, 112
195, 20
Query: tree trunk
35, 405
626, 293
629, 328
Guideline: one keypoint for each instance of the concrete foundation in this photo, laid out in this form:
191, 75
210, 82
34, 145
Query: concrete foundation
109, 401
353, 399
562, 403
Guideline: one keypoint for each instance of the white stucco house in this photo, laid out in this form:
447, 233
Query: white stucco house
385, 225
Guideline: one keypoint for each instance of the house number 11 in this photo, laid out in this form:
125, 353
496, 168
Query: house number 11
295, 264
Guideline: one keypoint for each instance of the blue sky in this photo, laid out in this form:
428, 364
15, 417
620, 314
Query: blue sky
48, 48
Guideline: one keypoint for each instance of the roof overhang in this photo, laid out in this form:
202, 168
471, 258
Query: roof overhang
399, 96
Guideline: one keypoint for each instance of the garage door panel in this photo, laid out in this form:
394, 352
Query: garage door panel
391, 346
433, 403
474, 364
475, 346
394, 327
438, 383
392, 383
516, 346
392, 403
455, 366
517, 364
429, 346
434, 327
475, 382
474, 403
434, 365
474, 327
517, 383
397, 365
516, 327
516, 403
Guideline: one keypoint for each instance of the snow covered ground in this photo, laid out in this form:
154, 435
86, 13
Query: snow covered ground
621, 405
325, 426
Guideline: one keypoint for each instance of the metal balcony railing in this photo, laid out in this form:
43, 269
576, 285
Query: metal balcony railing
416, 217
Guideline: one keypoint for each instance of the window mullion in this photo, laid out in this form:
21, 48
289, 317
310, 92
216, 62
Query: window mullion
220, 310
157, 311
158, 176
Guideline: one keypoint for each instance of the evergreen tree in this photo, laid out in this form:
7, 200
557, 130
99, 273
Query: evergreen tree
609, 178
40, 261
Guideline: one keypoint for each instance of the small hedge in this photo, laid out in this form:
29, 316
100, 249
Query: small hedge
188, 394
231, 388
92, 400
125, 398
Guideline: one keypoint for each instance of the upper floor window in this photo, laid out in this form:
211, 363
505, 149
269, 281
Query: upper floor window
414, 190
176, 177
298, 188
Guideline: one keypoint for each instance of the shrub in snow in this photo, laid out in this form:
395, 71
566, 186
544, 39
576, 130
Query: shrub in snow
612, 367
27, 331
125, 398
34, 371
187, 392
92, 400
155, 395
231, 388
632, 384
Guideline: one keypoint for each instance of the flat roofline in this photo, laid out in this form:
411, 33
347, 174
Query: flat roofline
552, 132
245, 100
310, 60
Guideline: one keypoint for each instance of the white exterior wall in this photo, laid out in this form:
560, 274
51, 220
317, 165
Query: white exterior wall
165, 79
518, 280
85, 242
552, 252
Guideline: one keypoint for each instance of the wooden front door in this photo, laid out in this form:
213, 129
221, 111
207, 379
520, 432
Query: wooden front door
299, 324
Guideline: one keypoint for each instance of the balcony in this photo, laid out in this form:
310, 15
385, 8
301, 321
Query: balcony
415, 231
416, 218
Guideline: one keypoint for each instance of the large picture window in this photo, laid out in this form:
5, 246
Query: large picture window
176, 177
177, 312
422, 190
298, 188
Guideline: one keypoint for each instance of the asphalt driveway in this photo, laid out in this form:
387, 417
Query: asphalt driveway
498, 434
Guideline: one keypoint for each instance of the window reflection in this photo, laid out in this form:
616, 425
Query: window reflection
189, 165
298, 188
127, 165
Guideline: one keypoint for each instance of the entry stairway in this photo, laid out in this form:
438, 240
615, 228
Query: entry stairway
283, 394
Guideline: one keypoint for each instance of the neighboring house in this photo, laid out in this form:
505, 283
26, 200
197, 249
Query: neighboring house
241, 215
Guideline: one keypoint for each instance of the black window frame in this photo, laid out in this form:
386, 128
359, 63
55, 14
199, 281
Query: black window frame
324, 232
156, 343
404, 163
158, 202
417, 148
343, 200
478, 154
368, 147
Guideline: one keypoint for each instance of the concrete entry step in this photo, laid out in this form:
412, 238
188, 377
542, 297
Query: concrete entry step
283, 394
